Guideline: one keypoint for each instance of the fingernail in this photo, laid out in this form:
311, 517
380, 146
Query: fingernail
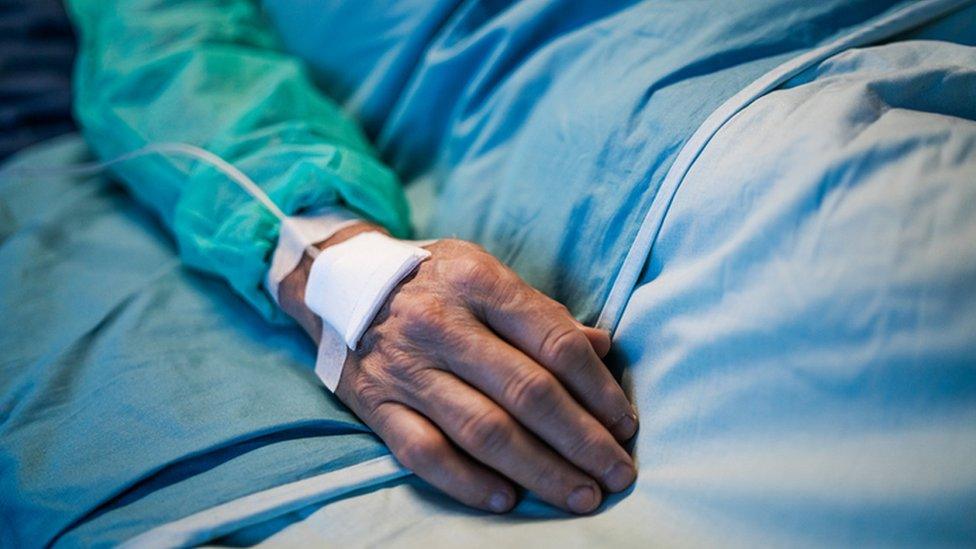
498, 502
582, 500
626, 426
619, 476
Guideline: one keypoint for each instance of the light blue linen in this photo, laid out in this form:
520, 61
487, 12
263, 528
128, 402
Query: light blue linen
585, 111
802, 345
547, 126
134, 392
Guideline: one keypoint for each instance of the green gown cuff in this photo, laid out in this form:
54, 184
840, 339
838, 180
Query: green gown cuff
212, 74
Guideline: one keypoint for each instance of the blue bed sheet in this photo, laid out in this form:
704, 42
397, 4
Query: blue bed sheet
547, 127
759, 347
134, 392
801, 346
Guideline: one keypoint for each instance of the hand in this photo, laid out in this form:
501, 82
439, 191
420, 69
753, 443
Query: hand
474, 380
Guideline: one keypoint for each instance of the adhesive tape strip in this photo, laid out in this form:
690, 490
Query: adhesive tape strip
299, 233
330, 357
350, 281
347, 285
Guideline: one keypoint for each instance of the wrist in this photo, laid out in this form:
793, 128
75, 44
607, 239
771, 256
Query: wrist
291, 292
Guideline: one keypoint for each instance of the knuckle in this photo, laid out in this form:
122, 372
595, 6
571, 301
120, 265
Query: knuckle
474, 272
462, 245
488, 431
564, 347
421, 453
507, 292
426, 317
535, 390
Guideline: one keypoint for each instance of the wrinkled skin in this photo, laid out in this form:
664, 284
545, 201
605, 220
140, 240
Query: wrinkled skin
477, 381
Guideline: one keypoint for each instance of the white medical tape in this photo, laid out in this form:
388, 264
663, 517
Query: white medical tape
296, 236
349, 281
347, 285
330, 357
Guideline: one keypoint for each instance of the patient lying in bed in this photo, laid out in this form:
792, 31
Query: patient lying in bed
473, 379
764, 358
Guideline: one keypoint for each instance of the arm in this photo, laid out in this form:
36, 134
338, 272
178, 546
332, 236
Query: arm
211, 74
472, 378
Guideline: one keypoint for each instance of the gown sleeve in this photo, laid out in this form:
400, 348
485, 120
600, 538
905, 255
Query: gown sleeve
212, 73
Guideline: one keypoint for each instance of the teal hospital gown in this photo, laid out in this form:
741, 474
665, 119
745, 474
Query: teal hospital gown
212, 74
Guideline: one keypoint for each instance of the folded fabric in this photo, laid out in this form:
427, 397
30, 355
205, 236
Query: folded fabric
154, 391
544, 130
800, 345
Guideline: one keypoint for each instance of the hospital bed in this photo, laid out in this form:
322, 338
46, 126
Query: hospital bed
790, 276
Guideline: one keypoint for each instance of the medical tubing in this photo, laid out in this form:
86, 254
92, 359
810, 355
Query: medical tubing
174, 149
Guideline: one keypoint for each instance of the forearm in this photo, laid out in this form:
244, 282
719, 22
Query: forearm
212, 74
473, 378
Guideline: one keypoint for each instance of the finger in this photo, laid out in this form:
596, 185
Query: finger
491, 436
599, 340
539, 402
422, 448
545, 331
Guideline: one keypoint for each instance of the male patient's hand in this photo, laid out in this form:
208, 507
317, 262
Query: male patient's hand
476, 380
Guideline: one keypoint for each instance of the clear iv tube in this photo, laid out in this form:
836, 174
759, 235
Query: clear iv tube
174, 149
